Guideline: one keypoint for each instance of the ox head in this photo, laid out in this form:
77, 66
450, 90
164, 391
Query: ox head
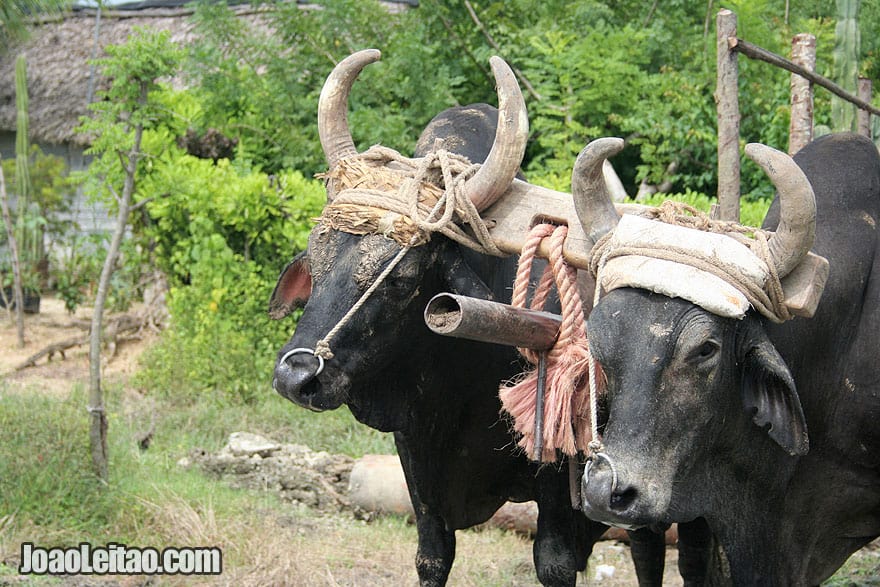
373, 349
691, 397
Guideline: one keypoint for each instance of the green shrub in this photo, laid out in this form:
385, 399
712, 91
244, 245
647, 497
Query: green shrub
222, 234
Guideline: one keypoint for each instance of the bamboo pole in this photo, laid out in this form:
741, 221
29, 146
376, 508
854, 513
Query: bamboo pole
727, 103
800, 129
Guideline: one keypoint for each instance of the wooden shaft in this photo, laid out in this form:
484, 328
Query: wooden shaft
727, 102
800, 129
755, 52
475, 319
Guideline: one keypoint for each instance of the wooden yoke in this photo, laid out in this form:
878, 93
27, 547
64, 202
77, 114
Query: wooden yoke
524, 205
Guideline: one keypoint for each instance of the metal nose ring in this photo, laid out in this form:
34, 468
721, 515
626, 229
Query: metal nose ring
290, 353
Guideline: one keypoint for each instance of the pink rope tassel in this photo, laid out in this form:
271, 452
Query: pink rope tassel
566, 422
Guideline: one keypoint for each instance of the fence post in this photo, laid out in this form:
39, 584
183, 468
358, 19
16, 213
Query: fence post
727, 104
800, 129
864, 117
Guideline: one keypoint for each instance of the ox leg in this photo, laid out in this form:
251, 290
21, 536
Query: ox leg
436, 550
695, 546
648, 551
565, 536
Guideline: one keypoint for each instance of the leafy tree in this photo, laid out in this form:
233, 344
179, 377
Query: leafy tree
126, 109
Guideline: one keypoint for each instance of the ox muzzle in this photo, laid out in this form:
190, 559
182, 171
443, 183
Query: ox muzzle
295, 378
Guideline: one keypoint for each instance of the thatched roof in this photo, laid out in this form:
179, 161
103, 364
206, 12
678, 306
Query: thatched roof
58, 55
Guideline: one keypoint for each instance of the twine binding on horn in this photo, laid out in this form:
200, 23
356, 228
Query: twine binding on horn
404, 202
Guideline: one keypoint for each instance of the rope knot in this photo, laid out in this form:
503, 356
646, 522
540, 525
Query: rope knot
565, 426
322, 349
382, 192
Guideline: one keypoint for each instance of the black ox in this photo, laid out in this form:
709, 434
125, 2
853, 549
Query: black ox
439, 396
767, 431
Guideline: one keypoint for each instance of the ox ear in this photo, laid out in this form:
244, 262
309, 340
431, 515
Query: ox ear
460, 277
769, 395
293, 288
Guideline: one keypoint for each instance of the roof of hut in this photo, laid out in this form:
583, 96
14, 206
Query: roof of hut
58, 53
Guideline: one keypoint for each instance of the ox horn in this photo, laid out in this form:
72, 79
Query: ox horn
797, 207
593, 203
333, 106
501, 166
497, 172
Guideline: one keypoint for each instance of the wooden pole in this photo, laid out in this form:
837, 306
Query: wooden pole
475, 319
727, 103
864, 117
754, 52
800, 129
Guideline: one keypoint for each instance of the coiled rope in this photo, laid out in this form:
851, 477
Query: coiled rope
566, 425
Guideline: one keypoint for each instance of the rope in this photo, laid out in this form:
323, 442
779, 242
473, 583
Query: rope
766, 298
412, 188
397, 200
565, 425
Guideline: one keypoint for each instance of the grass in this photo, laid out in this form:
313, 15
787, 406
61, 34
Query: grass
49, 496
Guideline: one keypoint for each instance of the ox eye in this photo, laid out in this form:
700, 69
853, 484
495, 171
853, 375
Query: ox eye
706, 350
399, 283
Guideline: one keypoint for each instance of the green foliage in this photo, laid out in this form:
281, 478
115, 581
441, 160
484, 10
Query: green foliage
132, 100
43, 218
262, 87
15, 13
132, 103
222, 234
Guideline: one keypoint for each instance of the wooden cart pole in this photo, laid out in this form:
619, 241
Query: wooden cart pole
800, 129
727, 104
864, 117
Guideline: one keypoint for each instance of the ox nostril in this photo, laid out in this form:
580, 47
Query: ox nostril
621, 500
289, 379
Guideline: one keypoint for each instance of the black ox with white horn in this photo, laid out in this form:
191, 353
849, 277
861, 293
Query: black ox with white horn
439, 396
764, 427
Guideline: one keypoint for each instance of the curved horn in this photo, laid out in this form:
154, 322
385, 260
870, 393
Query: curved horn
592, 201
333, 106
797, 207
502, 164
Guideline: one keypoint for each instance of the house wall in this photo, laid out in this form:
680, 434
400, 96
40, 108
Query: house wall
90, 217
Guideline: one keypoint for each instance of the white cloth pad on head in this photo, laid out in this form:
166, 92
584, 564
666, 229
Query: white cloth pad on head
678, 279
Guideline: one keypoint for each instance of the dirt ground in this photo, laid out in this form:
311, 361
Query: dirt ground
55, 325
610, 565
